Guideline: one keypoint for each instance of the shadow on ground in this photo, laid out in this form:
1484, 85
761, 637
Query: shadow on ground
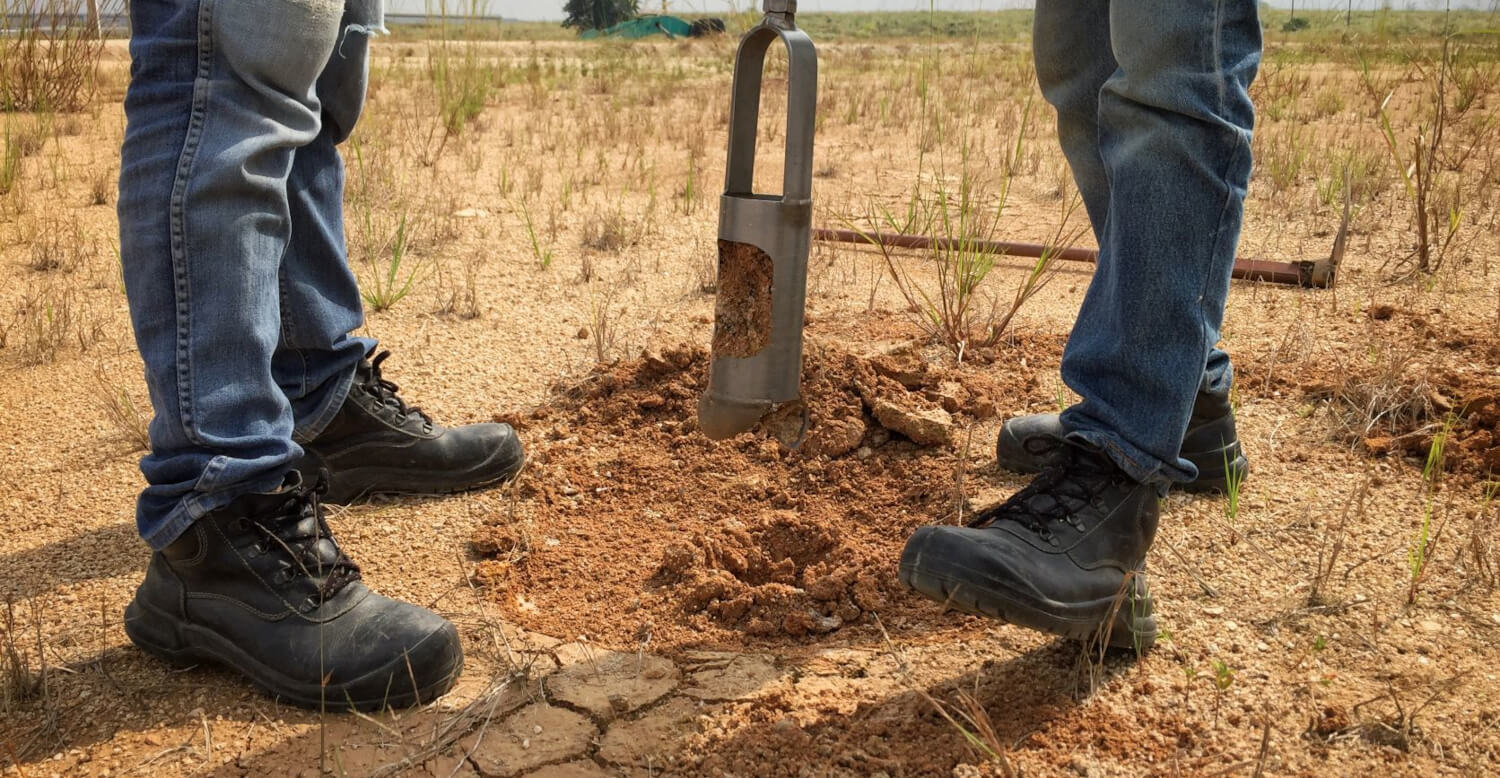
106, 552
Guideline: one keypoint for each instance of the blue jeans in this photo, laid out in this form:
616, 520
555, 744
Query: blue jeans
1154, 116
232, 238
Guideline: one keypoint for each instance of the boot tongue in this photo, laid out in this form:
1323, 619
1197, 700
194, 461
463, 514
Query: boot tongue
311, 540
386, 394
296, 522
1089, 462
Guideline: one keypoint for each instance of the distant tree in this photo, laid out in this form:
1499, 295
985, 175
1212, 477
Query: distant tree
599, 14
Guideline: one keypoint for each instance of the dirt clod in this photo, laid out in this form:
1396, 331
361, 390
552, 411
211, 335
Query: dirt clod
927, 426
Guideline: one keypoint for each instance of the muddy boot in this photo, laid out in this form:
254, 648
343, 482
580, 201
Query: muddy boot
260, 586
377, 444
1028, 444
1065, 555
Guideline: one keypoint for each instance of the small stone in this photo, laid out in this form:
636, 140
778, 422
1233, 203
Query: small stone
925, 427
826, 624
1214, 610
864, 452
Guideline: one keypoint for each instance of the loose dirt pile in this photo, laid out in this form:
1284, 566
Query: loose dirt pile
631, 526
1425, 382
1405, 416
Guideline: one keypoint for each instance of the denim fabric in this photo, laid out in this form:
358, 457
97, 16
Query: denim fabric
1155, 118
231, 238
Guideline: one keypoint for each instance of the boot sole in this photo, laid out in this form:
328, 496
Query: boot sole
360, 483
1134, 627
1214, 468
162, 635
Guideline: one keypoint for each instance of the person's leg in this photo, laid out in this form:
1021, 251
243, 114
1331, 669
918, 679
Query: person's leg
315, 361
1074, 59
1067, 554
348, 418
218, 104
245, 572
1174, 127
1070, 42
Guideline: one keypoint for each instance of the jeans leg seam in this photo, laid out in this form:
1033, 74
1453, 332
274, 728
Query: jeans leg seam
1218, 54
178, 220
1217, 246
289, 331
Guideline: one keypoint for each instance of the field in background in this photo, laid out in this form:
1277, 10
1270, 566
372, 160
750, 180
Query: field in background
1323, 27
533, 220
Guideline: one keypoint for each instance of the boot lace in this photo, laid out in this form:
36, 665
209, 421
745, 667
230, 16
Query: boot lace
299, 531
1059, 493
388, 393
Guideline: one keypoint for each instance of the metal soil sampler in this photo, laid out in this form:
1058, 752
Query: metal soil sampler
763, 240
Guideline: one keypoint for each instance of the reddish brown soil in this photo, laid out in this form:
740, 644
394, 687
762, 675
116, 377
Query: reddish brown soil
743, 310
711, 544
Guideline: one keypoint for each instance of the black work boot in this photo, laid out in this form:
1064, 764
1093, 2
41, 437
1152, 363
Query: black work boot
377, 444
1028, 444
1065, 555
260, 586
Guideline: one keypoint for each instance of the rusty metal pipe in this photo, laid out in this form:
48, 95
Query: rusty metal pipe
1316, 274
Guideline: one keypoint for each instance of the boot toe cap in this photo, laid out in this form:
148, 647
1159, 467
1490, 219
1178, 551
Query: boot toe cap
402, 656
1027, 444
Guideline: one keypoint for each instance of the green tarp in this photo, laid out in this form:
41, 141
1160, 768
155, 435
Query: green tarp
645, 26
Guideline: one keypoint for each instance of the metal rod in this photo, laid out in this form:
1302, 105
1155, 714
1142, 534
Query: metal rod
782, 13
1316, 274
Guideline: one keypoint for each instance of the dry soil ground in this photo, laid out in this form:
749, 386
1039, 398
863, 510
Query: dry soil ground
643, 602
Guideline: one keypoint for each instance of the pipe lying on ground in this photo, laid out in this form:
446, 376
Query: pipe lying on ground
1317, 274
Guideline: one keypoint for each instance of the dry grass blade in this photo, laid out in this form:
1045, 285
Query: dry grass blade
1331, 547
19, 683
604, 322
474, 717
1384, 405
984, 729
49, 54
122, 412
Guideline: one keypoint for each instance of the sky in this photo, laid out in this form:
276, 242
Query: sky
552, 9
